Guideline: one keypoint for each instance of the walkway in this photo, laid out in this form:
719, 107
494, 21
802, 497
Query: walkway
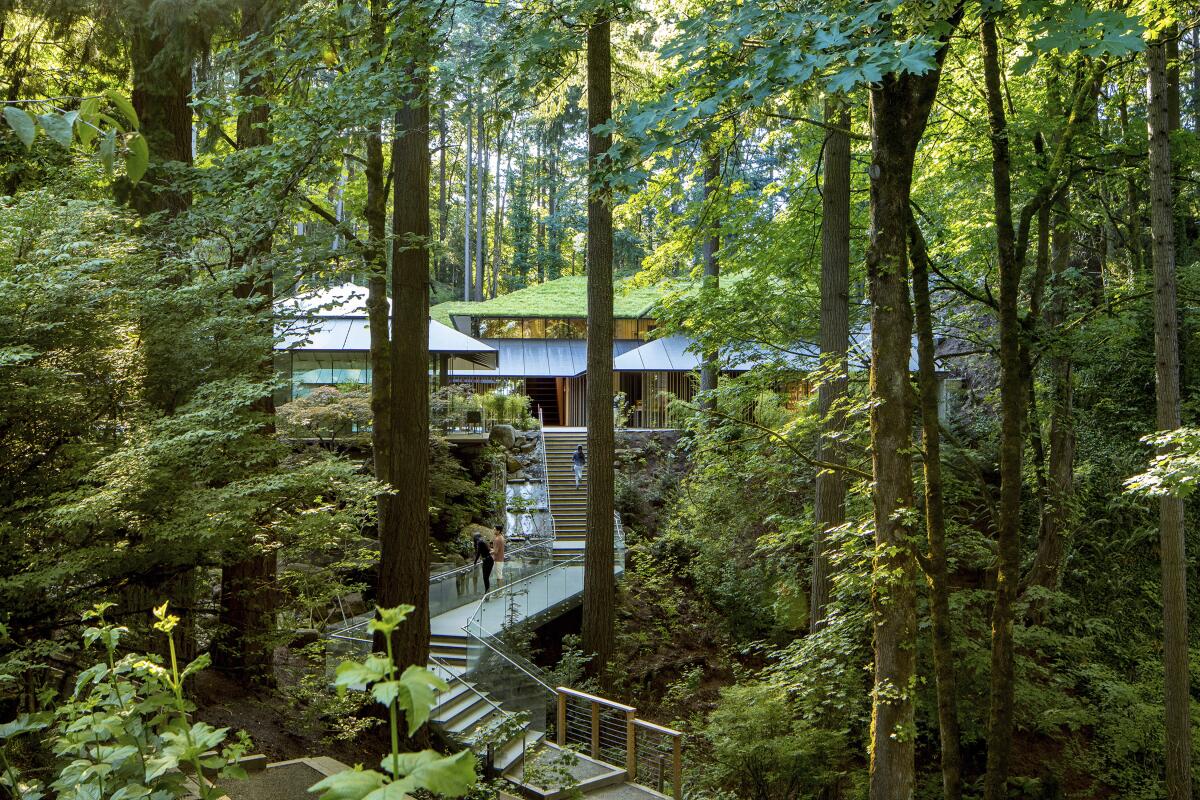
470, 633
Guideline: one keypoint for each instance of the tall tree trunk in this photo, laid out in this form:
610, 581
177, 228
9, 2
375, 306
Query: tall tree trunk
481, 206
162, 88
712, 265
1012, 407
938, 572
553, 223
900, 106
1133, 211
404, 562
441, 270
248, 591
1195, 80
829, 503
599, 589
1171, 509
497, 229
382, 441
1046, 570
467, 218
539, 188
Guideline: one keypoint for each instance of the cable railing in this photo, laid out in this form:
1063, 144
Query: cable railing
608, 731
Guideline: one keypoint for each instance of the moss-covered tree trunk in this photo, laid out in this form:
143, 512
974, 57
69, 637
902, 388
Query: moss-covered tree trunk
1171, 509
599, 587
711, 263
829, 502
900, 106
937, 571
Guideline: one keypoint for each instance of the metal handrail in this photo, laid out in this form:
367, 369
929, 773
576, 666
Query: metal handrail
475, 629
523, 579
453, 676
467, 568
546, 471
529, 671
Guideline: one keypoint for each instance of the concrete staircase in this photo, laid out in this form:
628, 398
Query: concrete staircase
568, 504
466, 714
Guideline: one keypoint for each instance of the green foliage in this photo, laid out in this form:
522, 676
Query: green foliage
1175, 470
761, 744
125, 730
410, 694
84, 125
328, 414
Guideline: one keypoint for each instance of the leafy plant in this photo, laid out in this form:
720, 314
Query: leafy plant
125, 732
412, 693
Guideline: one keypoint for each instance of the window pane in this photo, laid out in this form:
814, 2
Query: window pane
534, 329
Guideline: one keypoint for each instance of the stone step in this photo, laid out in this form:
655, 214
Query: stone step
452, 712
512, 750
470, 718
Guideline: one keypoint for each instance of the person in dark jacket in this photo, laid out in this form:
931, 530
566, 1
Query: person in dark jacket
578, 460
484, 553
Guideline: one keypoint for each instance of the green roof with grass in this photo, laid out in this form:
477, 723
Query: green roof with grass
564, 297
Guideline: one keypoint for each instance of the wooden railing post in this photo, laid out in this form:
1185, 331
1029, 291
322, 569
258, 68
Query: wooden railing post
595, 729
678, 777
562, 718
631, 744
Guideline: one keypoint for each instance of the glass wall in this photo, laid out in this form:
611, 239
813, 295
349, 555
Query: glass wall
557, 328
317, 368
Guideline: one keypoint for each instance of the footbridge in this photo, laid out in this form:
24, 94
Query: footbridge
498, 702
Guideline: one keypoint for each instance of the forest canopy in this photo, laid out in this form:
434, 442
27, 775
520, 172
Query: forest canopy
911, 514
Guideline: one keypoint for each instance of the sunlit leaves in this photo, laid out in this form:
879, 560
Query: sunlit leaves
22, 125
138, 157
84, 125
1175, 469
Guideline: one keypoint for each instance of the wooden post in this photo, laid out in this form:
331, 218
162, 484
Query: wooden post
595, 729
562, 719
631, 745
677, 778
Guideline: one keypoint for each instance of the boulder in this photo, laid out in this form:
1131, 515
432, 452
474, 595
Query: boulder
503, 435
527, 445
513, 464
304, 637
469, 532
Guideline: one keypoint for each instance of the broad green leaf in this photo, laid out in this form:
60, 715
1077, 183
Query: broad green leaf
25, 723
394, 791
59, 127
22, 125
85, 126
200, 663
352, 784
124, 106
390, 618
451, 776
136, 162
417, 695
356, 675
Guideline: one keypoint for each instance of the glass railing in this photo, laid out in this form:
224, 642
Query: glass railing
498, 650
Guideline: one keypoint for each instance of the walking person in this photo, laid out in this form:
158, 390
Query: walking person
578, 460
484, 553
498, 543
